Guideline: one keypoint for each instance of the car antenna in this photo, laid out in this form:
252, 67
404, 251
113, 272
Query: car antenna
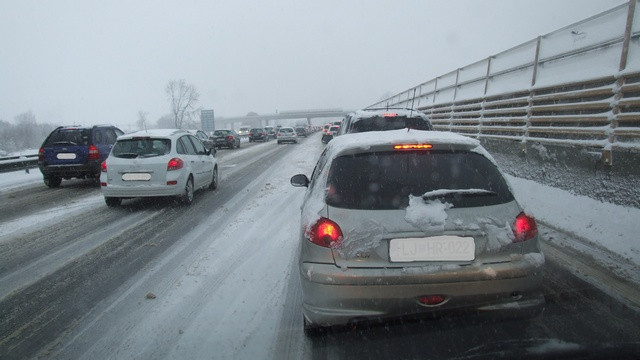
412, 102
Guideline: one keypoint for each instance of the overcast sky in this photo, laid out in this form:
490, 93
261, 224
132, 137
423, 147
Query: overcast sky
90, 61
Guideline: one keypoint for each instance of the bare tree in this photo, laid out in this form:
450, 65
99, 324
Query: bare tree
183, 98
142, 120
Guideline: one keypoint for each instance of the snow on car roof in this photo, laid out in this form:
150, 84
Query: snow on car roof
152, 132
364, 114
365, 140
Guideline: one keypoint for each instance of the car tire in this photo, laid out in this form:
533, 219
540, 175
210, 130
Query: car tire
187, 197
112, 201
239, 144
52, 181
279, 142
214, 182
312, 330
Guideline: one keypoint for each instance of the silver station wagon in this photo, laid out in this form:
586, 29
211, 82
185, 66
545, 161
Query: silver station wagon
157, 163
407, 222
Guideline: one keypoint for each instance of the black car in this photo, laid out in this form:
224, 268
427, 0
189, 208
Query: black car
226, 138
75, 152
258, 134
382, 119
301, 131
207, 141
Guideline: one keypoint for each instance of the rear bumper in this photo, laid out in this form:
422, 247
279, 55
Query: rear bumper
91, 169
332, 296
142, 190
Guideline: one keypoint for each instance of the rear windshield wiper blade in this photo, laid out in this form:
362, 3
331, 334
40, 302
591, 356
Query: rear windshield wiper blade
65, 142
457, 192
126, 155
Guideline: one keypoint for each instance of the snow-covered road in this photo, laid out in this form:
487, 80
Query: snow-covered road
224, 288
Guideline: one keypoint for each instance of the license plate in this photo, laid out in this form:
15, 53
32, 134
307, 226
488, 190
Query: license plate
66, 156
136, 177
435, 248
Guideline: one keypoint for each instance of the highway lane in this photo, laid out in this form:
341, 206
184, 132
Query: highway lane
51, 275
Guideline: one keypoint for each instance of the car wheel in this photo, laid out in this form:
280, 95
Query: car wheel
214, 180
239, 144
312, 330
187, 197
113, 201
52, 181
279, 142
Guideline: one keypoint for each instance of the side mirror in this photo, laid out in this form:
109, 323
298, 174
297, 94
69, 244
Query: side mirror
300, 180
213, 151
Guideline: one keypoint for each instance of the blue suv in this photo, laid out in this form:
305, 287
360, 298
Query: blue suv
75, 152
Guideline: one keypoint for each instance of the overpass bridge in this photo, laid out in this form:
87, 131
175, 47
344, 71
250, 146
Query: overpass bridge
279, 118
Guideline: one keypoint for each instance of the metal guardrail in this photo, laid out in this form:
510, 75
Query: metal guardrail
576, 86
14, 163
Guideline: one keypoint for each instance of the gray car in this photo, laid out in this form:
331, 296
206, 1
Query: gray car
404, 222
287, 134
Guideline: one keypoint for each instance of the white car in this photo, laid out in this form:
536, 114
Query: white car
157, 163
287, 134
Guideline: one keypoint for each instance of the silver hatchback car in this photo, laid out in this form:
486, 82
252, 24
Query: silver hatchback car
157, 163
402, 222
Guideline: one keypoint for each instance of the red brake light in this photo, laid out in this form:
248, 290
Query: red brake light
230, 137
175, 164
524, 227
431, 299
413, 147
94, 154
103, 166
325, 233
41, 154
390, 115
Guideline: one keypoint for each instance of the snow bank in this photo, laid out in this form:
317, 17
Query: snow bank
613, 227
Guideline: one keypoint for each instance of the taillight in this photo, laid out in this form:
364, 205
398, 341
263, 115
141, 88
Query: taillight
524, 228
431, 300
325, 233
103, 166
41, 154
390, 115
413, 147
94, 154
175, 164
229, 137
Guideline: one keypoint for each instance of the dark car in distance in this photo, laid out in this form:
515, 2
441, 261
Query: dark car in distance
207, 141
258, 134
301, 131
383, 119
226, 138
75, 152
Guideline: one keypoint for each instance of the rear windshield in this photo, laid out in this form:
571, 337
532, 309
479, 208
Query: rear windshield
221, 132
147, 147
381, 123
384, 180
286, 130
69, 137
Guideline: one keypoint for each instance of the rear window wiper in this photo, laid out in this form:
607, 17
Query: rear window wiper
65, 142
126, 155
457, 192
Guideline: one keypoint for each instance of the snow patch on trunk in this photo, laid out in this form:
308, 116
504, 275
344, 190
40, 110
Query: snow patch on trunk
428, 216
